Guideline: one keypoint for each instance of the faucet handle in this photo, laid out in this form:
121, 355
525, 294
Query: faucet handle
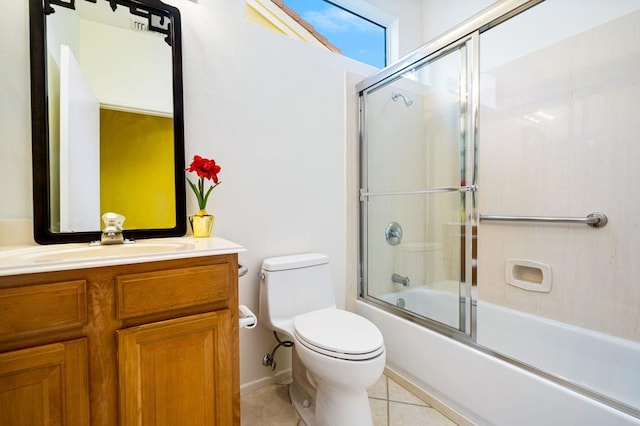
112, 232
113, 221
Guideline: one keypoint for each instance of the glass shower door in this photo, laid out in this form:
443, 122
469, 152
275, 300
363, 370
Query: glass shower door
414, 189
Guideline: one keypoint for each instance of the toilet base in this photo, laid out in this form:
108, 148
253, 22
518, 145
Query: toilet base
304, 406
336, 407
357, 414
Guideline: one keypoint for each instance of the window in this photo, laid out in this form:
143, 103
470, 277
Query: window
353, 28
353, 34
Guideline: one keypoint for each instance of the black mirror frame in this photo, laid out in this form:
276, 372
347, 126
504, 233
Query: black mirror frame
40, 130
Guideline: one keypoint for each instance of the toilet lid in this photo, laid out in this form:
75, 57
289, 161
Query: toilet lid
340, 334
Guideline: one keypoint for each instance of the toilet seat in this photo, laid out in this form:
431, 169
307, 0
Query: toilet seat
338, 334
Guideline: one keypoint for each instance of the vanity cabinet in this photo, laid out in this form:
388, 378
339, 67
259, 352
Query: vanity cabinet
165, 361
137, 344
45, 385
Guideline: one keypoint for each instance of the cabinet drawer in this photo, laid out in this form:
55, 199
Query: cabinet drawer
152, 292
25, 311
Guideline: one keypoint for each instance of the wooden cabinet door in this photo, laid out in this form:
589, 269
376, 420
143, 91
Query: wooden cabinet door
45, 385
177, 372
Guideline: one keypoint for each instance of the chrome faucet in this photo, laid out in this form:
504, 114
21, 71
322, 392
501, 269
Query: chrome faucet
112, 232
397, 278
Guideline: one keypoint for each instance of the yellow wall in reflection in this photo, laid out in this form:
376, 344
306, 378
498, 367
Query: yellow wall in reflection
136, 168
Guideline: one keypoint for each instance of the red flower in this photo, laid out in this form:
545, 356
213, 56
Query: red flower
205, 168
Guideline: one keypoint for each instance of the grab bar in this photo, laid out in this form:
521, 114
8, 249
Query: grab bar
595, 220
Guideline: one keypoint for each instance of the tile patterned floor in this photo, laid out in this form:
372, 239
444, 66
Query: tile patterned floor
391, 405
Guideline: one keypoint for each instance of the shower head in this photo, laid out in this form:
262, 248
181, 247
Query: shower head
407, 101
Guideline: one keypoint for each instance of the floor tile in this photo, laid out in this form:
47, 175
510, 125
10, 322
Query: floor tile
379, 412
391, 405
268, 406
379, 390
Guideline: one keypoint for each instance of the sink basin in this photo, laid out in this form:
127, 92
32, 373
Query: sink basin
80, 252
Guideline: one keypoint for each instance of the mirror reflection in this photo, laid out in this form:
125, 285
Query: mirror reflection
113, 128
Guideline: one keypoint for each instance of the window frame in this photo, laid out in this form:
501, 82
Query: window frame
378, 17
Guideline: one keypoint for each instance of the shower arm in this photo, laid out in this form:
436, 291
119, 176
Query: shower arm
407, 101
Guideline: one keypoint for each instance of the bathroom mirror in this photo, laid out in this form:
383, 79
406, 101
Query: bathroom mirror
107, 118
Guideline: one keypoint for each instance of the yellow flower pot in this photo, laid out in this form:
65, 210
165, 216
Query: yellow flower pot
202, 225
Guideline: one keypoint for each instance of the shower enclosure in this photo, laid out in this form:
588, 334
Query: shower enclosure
414, 165
498, 198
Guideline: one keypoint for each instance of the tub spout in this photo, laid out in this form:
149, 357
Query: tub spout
397, 278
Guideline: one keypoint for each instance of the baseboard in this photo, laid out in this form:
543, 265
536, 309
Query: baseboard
280, 377
444, 409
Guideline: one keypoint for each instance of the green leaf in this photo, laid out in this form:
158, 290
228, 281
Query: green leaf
206, 197
201, 202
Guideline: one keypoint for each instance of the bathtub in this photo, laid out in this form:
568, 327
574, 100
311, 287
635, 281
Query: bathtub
442, 306
491, 391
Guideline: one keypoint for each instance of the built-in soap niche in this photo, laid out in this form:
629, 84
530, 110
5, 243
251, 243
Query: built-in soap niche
528, 275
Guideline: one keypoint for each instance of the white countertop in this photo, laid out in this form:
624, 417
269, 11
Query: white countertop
28, 259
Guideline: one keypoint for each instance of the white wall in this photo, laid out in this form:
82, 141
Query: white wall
439, 16
135, 75
561, 130
271, 110
15, 113
409, 23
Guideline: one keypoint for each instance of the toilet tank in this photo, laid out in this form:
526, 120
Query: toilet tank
293, 285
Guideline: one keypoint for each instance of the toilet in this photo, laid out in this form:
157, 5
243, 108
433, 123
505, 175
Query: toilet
337, 355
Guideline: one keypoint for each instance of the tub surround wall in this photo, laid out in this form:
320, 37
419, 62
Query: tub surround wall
415, 147
391, 149
577, 156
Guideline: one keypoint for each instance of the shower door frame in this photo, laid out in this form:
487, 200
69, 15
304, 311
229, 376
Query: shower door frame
470, 29
468, 114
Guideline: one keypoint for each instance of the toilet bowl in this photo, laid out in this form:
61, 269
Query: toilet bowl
344, 357
337, 356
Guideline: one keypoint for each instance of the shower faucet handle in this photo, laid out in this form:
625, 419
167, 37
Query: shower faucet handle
393, 233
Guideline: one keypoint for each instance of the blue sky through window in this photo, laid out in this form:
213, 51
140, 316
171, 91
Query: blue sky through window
355, 36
